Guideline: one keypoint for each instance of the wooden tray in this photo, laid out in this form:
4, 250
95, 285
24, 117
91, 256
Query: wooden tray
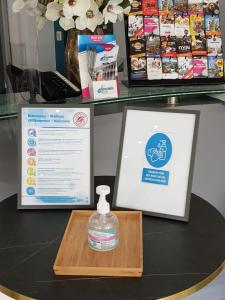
76, 258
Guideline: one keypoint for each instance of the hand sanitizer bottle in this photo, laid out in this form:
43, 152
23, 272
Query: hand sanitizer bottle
103, 226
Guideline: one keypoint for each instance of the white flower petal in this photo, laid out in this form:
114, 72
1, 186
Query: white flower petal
106, 19
81, 23
53, 11
94, 7
117, 9
92, 24
112, 17
17, 6
126, 10
79, 9
67, 10
66, 24
100, 19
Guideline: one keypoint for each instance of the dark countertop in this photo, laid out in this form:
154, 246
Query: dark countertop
177, 255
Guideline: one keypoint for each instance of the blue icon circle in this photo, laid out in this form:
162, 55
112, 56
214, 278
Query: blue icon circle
158, 150
30, 191
31, 142
31, 132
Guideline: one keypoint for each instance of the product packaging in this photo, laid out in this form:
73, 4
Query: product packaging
138, 68
97, 56
181, 6
212, 25
214, 46
182, 25
151, 25
154, 68
211, 7
135, 7
165, 5
153, 46
183, 46
198, 43
215, 67
185, 68
195, 6
197, 24
169, 68
166, 24
200, 67
135, 27
150, 7
168, 46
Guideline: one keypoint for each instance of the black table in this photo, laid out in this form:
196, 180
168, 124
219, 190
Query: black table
176, 255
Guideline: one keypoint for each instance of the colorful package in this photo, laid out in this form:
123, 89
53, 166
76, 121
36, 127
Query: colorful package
185, 68
138, 68
183, 46
165, 5
215, 67
150, 7
198, 43
104, 50
197, 24
200, 67
137, 47
182, 25
212, 25
135, 27
214, 46
136, 7
211, 7
169, 68
166, 24
154, 68
168, 46
181, 5
195, 6
151, 25
152, 46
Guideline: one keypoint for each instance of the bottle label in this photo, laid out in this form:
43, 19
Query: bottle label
102, 240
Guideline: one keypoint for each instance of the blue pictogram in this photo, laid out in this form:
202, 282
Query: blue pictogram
158, 150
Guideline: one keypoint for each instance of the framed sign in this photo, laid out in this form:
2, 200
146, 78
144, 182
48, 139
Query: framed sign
55, 156
156, 158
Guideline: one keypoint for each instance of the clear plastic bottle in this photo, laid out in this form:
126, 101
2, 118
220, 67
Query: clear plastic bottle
103, 225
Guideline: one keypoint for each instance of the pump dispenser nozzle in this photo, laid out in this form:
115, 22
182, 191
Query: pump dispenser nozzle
103, 205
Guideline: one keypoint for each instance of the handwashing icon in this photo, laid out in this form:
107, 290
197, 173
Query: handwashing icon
158, 153
158, 150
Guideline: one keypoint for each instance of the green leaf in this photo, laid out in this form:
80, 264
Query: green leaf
125, 3
105, 2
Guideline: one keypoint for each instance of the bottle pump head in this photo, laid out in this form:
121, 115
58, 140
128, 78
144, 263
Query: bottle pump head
103, 205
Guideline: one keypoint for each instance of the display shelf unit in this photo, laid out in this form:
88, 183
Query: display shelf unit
128, 95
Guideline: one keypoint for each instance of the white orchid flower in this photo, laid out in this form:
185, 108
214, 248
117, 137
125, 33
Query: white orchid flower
91, 18
27, 5
112, 11
73, 8
55, 12
126, 11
